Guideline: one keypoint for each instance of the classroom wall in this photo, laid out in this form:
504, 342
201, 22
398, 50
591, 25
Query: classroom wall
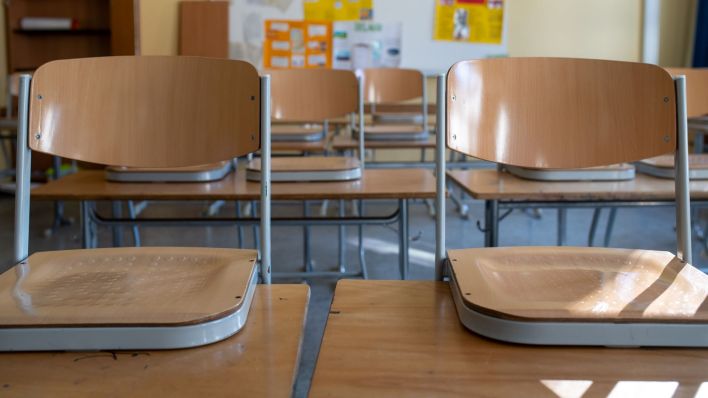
608, 29
676, 35
159, 27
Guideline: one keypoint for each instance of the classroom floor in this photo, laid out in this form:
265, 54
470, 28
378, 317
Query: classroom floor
646, 228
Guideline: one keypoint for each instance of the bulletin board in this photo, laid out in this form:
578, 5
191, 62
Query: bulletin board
297, 44
419, 49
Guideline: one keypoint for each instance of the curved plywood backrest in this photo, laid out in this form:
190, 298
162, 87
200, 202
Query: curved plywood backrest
696, 89
386, 85
145, 111
560, 113
306, 95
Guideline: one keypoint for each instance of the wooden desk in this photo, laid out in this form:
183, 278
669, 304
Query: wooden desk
260, 361
502, 190
403, 338
374, 184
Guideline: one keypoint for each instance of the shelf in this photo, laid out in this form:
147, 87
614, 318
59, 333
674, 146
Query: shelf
78, 32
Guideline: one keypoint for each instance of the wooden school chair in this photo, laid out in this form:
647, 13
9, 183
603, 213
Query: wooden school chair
136, 112
553, 113
392, 85
301, 96
662, 166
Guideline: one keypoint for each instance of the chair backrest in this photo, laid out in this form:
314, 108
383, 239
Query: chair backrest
150, 111
388, 85
560, 113
696, 89
310, 95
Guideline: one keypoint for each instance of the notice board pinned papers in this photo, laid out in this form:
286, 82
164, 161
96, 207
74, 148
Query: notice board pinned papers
473, 21
338, 10
297, 44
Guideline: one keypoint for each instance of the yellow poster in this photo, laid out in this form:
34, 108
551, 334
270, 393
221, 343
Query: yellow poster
297, 44
338, 10
474, 21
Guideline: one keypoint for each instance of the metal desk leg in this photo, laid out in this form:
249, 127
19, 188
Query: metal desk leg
698, 142
117, 230
133, 214
562, 213
610, 225
239, 229
403, 236
342, 240
362, 258
491, 223
306, 238
85, 227
256, 233
593, 225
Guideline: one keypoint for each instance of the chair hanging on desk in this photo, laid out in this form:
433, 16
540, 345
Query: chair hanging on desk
389, 87
308, 95
144, 112
571, 113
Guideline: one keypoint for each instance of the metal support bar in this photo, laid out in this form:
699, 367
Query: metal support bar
562, 213
117, 230
683, 197
342, 240
441, 131
23, 169
306, 237
265, 180
132, 213
362, 257
403, 236
610, 226
362, 153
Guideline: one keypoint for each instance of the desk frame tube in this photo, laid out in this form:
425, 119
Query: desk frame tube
23, 173
440, 176
683, 198
265, 180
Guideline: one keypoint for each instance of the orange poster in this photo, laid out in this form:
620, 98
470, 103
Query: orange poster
297, 44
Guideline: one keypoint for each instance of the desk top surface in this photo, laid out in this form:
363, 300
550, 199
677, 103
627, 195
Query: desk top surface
492, 184
260, 361
374, 184
403, 338
340, 143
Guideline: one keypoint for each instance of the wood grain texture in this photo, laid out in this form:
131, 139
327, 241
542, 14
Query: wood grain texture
307, 163
386, 85
404, 339
145, 111
491, 184
580, 284
560, 113
696, 89
125, 286
307, 95
384, 129
204, 28
260, 361
341, 143
374, 184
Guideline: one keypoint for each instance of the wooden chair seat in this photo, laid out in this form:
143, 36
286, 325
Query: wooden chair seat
663, 166
298, 133
382, 132
308, 168
200, 173
385, 117
557, 287
174, 292
616, 172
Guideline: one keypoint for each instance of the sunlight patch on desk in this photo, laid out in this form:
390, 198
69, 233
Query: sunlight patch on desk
416, 256
568, 388
647, 389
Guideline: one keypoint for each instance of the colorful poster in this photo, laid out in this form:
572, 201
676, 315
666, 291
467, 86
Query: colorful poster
338, 10
358, 45
297, 44
474, 21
